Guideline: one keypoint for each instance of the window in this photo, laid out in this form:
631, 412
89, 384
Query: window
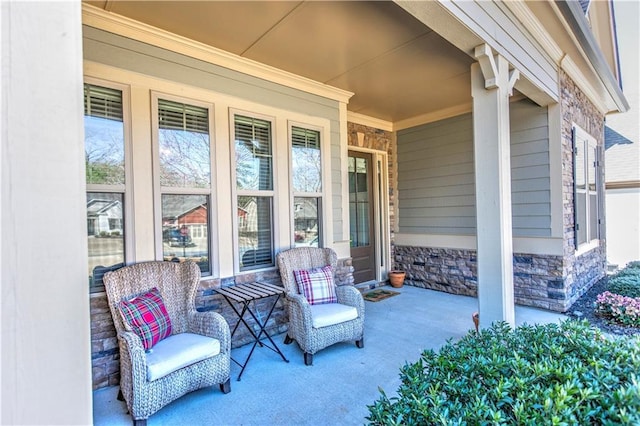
586, 187
254, 190
306, 172
105, 176
185, 181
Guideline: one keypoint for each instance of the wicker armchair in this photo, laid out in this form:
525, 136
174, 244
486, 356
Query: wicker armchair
177, 283
301, 314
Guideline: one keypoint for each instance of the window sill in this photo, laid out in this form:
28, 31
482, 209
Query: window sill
587, 247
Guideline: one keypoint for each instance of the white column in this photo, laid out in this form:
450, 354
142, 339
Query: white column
491, 86
46, 353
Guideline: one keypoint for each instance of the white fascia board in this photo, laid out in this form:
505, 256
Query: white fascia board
576, 24
528, 245
135, 30
366, 120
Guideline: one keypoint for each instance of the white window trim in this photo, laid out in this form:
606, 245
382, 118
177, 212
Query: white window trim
253, 193
126, 189
159, 190
581, 135
325, 152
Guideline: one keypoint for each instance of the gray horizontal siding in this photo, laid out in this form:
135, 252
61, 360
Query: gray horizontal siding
530, 172
436, 179
121, 52
436, 192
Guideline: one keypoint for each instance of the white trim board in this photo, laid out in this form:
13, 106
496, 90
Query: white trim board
542, 246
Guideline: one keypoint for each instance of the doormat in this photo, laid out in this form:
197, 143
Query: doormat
378, 295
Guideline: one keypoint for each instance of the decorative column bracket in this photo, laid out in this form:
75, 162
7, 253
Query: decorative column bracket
488, 64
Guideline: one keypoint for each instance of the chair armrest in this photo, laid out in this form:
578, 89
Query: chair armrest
299, 310
351, 296
211, 324
134, 360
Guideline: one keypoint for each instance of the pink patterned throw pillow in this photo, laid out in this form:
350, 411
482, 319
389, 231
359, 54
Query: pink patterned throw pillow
316, 285
147, 316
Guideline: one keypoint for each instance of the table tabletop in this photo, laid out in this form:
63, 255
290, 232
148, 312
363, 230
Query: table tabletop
250, 291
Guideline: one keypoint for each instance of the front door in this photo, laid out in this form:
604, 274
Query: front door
361, 203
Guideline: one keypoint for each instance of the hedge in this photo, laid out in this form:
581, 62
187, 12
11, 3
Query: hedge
555, 374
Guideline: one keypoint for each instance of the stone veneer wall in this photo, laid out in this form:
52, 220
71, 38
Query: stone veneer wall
580, 272
104, 344
537, 278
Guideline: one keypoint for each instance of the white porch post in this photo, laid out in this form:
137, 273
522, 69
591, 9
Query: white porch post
46, 336
491, 87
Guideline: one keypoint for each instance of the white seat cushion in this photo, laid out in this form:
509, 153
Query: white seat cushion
331, 313
177, 351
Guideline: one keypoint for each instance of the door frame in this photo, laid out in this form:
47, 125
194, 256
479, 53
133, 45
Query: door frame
381, 210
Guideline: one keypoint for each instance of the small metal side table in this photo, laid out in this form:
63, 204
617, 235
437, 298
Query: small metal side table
244, 294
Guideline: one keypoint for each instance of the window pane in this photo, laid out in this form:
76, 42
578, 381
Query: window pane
254, 232
103, 135
185, 221
105, 233
579, 164
306, 164
358, 202
253, 154
306, 222
183, 138
592, 191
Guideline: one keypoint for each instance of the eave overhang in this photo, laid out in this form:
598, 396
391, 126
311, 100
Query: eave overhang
574, 17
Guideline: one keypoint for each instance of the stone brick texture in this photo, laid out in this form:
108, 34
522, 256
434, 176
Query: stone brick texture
580, 272
104, 343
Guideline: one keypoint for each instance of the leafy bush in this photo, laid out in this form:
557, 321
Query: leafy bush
621, 309
554, 374
635, 264
626, 282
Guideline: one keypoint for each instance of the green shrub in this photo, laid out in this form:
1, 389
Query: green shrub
634, 265
626, 282
554, 374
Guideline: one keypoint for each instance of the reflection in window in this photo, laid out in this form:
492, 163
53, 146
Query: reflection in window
105, 232
306, 164
183, 139
253, 154
184, 224
306, 223
103, 135
105, 177
255, 237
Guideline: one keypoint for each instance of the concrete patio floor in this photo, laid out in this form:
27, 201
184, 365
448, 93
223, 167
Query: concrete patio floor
343, 379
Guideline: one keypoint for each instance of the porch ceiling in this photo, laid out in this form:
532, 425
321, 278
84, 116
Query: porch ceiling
396, 66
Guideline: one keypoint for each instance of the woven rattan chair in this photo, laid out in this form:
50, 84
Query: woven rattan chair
177, 283
301, 329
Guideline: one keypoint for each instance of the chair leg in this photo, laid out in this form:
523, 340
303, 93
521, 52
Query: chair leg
360, 343
226, 386
308, 358
120, 395
287, 340
140, 422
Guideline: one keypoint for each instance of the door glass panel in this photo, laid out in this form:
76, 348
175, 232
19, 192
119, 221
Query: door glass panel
358, 202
